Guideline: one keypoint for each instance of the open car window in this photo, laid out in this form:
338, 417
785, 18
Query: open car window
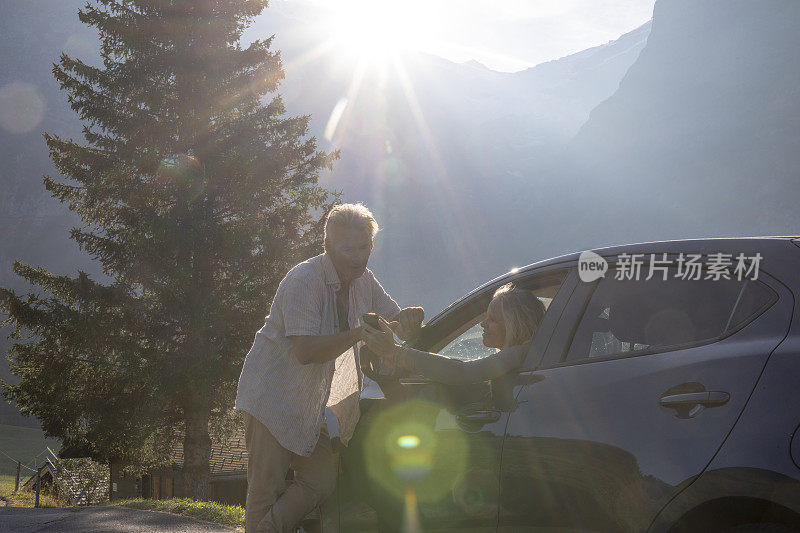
468, 345
459, 334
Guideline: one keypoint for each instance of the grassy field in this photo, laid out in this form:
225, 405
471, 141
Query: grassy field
22, 444
6, 484
22, 498
227, 515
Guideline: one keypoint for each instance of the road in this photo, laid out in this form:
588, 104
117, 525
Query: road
100, 519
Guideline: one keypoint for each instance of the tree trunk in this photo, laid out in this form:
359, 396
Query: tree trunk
197, 455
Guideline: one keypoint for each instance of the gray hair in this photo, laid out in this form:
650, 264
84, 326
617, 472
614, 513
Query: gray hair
522, 313
354, 216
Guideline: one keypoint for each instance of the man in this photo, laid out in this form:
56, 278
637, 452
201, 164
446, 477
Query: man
304, 359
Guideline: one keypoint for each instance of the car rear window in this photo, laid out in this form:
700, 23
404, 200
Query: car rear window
755, 298
626, 316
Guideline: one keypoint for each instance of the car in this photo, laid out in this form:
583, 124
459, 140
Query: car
649, 401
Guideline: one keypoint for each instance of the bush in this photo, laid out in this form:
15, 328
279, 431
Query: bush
84, 480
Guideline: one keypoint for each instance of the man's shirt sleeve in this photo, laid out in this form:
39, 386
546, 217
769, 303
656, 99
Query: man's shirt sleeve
302, 309
382, 303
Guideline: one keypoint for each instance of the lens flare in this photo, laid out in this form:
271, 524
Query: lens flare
81, 46
182, 173
21, 107
477, 492
403, 450
408, 441
411, 513
333, 120
411, 456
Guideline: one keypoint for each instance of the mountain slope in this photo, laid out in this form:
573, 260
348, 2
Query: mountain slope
704, 131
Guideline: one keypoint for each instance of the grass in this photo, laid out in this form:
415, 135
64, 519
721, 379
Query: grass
22, 444
226, 515
25, 498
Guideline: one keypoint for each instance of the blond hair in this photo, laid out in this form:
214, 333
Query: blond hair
522, 313
354, 216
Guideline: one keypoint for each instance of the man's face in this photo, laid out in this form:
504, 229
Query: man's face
349, 250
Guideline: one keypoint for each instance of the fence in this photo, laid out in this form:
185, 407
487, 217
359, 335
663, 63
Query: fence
80, 481
10, 464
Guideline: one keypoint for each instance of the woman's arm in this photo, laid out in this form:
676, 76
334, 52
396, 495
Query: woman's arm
438, 367
454, 371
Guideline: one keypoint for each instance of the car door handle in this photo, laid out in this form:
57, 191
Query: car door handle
479, 417
691, 404
712, 398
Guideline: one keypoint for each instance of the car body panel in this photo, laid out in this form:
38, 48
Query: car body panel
593, 439
756, 462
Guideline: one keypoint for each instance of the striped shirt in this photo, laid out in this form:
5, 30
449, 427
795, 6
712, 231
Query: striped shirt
289, 398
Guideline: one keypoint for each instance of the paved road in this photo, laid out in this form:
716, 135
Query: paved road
100, 520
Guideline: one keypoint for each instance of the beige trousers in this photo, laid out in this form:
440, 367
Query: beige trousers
273, 505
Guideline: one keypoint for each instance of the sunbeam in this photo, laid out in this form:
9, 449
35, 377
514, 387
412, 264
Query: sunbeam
452, 210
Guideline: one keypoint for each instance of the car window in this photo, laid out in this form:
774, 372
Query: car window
457, 333
469, 344
634, 315
754, 299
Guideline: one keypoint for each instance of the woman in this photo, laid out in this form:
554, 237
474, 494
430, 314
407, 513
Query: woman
511, 320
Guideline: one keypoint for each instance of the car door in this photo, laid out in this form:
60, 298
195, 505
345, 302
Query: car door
639, 386
428, 454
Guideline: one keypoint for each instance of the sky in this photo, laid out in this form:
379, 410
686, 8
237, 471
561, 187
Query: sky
505, 35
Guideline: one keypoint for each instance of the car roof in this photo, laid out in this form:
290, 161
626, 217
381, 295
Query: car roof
698, 246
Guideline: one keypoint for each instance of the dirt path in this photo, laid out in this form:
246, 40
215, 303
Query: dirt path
100, 519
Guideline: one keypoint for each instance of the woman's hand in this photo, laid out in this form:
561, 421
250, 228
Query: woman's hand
408, 322
381, 342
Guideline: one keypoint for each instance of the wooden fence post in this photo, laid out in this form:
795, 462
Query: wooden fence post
16, 483
38, 485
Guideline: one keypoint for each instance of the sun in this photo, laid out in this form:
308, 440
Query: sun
377, 29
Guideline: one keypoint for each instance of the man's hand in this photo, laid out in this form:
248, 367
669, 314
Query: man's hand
409, 322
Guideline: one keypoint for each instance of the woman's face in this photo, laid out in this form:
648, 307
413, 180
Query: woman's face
494, 327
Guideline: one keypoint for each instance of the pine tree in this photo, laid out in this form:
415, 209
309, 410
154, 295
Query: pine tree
196, 195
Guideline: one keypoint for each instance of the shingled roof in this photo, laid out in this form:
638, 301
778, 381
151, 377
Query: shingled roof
228, 458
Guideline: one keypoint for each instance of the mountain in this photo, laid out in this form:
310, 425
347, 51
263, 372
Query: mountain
702, 138
427, 143
34, 226
574, 85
